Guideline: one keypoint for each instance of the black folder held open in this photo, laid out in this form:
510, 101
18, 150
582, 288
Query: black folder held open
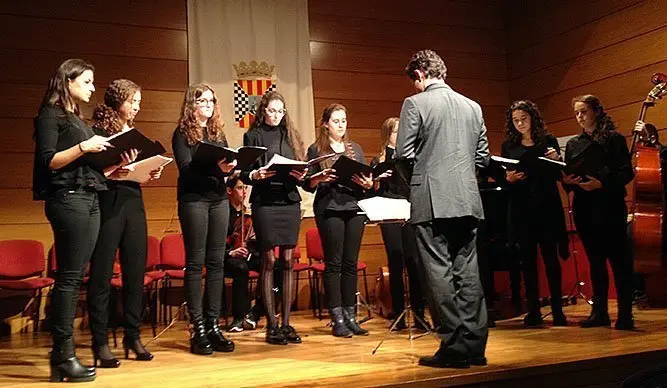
122, 142
208, 153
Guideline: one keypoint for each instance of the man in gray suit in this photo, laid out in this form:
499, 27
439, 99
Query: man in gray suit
444, 133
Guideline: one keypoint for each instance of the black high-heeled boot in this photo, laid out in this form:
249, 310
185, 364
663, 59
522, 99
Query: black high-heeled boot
103, 354
351, 321
338, 326
135, 345
216, 338
199, 343
65, 366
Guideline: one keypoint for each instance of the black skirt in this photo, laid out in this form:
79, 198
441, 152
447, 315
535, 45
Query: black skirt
276, 225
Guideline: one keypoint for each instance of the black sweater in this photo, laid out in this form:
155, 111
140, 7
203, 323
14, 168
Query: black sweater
57, 130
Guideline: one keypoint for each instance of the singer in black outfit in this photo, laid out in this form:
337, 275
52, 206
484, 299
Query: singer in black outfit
536, 209
123, 226
203, 211
600, 212
399, 240
276, 207
63, 179
339, 223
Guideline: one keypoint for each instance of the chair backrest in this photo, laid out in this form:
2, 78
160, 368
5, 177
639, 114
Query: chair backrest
153, 259
53, 262
172, 251
21, 258
314, 245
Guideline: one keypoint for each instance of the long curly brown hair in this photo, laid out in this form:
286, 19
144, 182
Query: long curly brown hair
293, 136
603, 122
538, 130
386, 130
105, 115
188, 123
323, 141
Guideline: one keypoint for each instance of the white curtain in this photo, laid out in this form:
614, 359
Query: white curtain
224, 33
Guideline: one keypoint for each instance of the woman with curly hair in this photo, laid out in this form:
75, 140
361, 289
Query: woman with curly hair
536, 209
123, 227
339, 223
276, 207
600, 213
203, 210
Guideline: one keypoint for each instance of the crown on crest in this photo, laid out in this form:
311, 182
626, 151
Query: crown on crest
253, 69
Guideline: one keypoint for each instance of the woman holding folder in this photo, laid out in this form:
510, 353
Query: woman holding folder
203, 210
339, 223
600, 212
536, 209
69, 185
123, 227
276, 207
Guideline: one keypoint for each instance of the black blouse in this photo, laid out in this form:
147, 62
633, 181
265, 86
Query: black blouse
128, 187
270, 191
57, 130
197, 182
331, 196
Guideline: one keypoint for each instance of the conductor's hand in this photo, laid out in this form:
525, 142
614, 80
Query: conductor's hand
591, 184
551, 154
95, 144
226, 167
324, 176
571, 179
300, 175
364, 181
239, 252
261, 174
514, 176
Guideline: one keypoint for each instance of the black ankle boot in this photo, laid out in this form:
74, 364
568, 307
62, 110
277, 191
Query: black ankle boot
351, 321
533, 318
339, 328
135, 345
103, 354
216, 338
275, 336
66, 367
559, 318
599, 317
199, 343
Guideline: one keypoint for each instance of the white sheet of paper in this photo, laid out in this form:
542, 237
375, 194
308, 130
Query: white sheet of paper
141, 171
385, 209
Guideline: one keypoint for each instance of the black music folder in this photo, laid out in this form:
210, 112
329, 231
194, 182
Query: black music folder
591, 161
346, 168
283, 166
122, 142
530, 160
209, 153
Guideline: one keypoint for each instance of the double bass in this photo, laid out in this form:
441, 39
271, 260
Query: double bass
648, 202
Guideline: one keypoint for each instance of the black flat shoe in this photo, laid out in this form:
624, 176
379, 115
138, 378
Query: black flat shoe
275, 336
439, 361
596, 319
140, 352
102, 357
290, 334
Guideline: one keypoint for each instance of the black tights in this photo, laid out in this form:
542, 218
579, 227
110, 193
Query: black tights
267, 284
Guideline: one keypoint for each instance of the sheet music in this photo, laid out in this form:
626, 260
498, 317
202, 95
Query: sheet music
141, 171
385, 209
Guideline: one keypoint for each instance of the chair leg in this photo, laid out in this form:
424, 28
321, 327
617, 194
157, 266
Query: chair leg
319, 298
295, 305
366, 289
38, 304
154, 307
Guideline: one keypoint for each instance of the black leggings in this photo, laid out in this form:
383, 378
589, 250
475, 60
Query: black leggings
401, 247
123, 227
341, 234
204, 226
75, 219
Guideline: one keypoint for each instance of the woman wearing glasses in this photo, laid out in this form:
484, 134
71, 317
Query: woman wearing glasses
276, 207
203, 210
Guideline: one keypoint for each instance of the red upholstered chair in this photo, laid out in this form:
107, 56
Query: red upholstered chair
52, 270
172, 262
317, 264
22, 264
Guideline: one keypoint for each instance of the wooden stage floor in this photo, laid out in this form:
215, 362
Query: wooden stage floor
518, 357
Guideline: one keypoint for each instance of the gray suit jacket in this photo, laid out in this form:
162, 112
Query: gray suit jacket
445, 134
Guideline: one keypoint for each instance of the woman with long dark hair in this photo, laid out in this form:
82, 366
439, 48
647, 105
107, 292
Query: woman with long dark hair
535, 206
276, 207
600, 212
69, 185
123, 226
399, 240
339, 223
203, 210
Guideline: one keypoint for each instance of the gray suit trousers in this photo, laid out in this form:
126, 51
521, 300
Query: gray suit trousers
448, 267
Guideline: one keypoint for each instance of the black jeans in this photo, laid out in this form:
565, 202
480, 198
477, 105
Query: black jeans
341, 234
123, 227
204, 227
448, 265
401, 247
529, 239
75, 219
